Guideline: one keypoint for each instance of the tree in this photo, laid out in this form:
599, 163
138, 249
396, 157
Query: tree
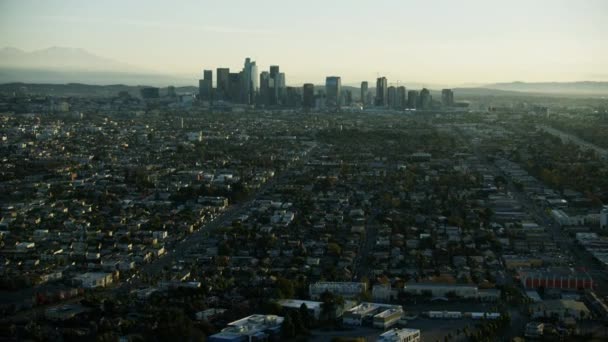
285, 287
329, 304
288, 330
306, 319
334, 249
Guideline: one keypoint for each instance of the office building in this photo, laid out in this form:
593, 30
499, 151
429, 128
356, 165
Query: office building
392, 97
401, 97
412, 99
274, 85
364, 91
282, 89
292, 97
308, 95
222, 83
381, 92
249, 82
447, 98
333, 91
206, 86
347, 97
264, 95
235, 86
425, 99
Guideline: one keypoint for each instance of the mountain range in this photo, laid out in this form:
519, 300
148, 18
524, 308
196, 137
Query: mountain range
60, 65
73, 65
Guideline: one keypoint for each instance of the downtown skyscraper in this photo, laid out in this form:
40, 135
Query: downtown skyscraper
205, 86
333, 91
249, 81
222, 84
364, 92
381, 92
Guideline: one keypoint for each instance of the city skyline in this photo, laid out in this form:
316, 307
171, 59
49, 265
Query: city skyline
473, 42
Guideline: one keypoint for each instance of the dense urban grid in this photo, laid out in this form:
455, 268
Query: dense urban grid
248, 210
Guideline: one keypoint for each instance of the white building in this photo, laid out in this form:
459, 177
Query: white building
356, 315
400, 335
382, 316
387, 318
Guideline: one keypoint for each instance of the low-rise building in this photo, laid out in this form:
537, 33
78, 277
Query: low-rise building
251, 328
556, 279
400, 335
92, 280
387, 318
560, 308
442, 289
344, 289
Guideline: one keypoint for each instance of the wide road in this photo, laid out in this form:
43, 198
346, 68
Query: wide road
602, 152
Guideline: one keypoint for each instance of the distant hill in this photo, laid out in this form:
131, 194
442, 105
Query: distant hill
575, 88
65, 65
79, 89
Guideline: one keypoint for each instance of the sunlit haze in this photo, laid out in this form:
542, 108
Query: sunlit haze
439, 42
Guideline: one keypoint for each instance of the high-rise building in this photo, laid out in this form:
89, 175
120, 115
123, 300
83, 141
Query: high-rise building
264, 97
447, 98
425, 99
347, 97
281, 92
381, 92
308, 95
274, 85
333, 90
293, 98
412, 99
235, 86
249, 82
205, 86
222, 90
392, 97
364, 91
401, 97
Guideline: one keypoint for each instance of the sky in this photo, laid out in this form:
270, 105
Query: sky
423, 41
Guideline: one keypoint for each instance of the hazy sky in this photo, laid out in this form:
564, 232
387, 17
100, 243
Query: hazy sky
434, 41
